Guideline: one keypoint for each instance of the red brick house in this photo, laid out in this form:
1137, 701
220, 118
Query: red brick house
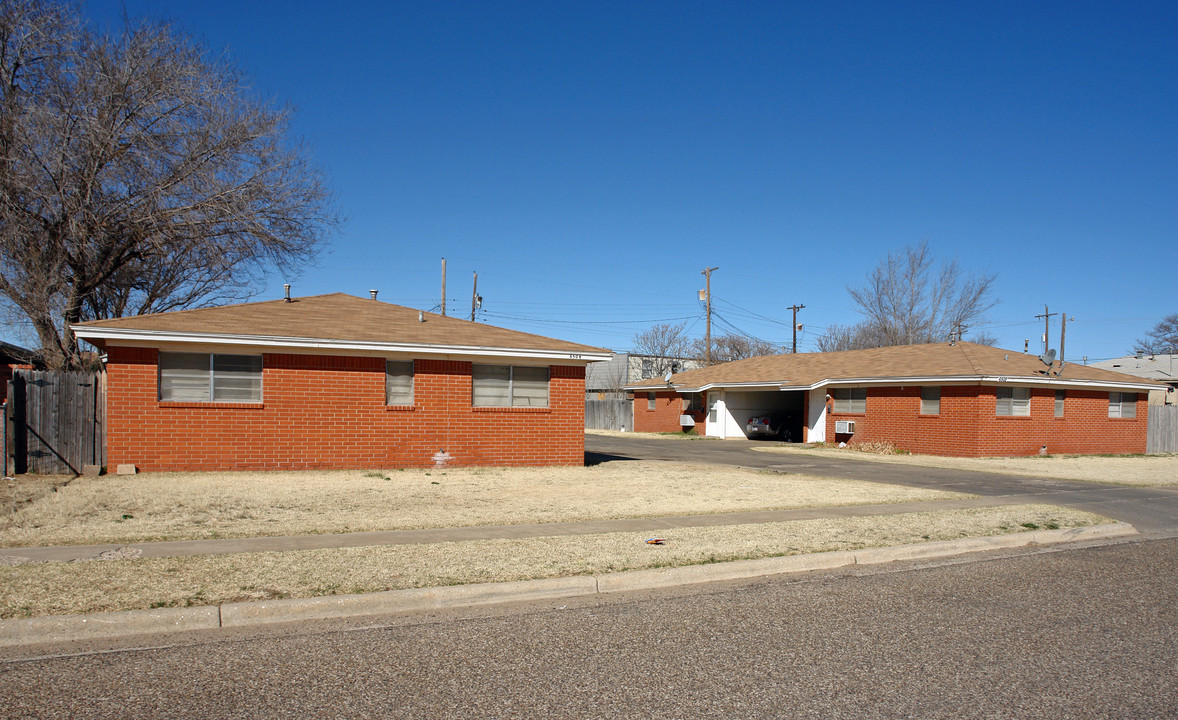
335, 381
943, 399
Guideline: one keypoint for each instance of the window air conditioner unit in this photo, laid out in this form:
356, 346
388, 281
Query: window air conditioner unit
844, 427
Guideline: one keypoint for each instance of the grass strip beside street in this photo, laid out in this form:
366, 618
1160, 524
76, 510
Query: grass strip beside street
92, 586
191, 506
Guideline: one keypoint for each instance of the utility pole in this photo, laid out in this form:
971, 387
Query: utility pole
443, 287
474, 297
1046, 325
707, 273
795, 308
1063, 333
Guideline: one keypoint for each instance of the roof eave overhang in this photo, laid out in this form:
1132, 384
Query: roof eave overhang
299, 343
925, 380
685, 388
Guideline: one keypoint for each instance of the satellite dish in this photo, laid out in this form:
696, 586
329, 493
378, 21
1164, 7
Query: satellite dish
667, 377
1047, 358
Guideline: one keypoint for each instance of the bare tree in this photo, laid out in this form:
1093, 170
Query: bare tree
847, 337
138, 175
1162, 339
726, 348
663, 344
908, 300
865, 335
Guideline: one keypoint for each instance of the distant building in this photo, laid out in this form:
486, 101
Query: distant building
12, 356
611, 376
1161, 368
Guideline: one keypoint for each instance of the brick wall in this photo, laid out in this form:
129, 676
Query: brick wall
329, 412
665, 415
968, 425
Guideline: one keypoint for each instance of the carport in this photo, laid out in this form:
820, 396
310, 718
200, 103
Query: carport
729, 409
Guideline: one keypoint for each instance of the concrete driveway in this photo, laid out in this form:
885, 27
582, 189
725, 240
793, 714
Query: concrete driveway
1150, 510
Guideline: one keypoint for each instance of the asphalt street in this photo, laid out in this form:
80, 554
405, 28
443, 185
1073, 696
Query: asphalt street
1083, 633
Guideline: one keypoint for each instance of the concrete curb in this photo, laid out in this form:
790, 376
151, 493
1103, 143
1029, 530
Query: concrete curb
64, 628
55, 628
391, 601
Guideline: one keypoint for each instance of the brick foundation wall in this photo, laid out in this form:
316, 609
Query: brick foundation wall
329, 412
968, 425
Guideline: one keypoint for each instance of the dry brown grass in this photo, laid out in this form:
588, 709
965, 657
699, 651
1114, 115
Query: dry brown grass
172, 506
17, 492
79, 587
1135, 470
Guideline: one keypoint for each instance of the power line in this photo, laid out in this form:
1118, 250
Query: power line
587, 322
752, 314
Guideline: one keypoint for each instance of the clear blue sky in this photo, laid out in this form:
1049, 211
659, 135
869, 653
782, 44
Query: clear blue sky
589, 160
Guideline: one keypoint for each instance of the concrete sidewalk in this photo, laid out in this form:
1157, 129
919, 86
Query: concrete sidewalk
181, 548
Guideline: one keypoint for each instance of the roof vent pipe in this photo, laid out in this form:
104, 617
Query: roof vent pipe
286, 288
372, 293
420, 316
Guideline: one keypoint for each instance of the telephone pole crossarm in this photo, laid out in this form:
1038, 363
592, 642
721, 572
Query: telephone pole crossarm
795, 308
1046, 326
707, 273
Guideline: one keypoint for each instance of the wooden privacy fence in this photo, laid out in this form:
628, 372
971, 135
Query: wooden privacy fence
1163, 429
609, 414
56, 421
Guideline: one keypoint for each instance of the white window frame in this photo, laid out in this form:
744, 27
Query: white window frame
1012, 402
930, 400
652, 401
516, 393
201, 378
398, 382
850, 401
1122, 405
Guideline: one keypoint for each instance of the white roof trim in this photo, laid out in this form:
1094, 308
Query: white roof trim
161, 336
985, 380
929, 380
704, 388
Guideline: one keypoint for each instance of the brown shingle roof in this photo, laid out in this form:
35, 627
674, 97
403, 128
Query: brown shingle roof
937, 360
336, 317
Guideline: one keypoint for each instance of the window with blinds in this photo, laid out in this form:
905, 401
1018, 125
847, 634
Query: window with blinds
509, 386
930, 401
1122, 405
850, 400
209, 377
1015, 402
398, 382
